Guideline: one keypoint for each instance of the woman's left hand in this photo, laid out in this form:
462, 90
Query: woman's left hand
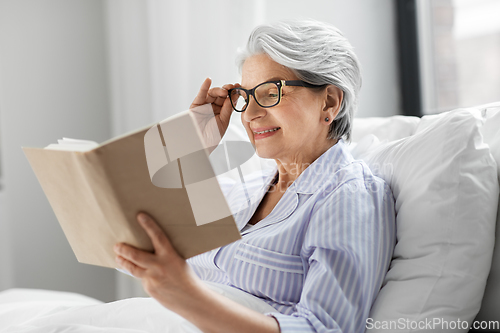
168, 278
165, 275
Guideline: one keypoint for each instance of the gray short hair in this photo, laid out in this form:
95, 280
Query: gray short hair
315, 52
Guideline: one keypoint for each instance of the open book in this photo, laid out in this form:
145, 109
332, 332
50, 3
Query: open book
97, 190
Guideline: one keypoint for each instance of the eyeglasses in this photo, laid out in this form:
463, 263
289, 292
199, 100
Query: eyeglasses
266, 94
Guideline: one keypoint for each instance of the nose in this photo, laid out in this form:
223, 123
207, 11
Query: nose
253, 110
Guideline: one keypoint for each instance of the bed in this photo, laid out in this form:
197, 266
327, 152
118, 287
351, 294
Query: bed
444, 173
42, 311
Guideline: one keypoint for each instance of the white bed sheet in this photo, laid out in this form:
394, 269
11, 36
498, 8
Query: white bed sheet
38, 311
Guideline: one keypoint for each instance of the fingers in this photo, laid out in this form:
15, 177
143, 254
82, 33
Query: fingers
130, 267
160, 242
222, 91
135, 256
231, 86
137, 261
219, 96
201, 98
225, 112
215, 95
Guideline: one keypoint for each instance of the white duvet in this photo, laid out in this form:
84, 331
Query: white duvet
39, 311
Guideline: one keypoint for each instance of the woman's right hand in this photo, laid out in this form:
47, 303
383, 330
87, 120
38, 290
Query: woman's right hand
212, 110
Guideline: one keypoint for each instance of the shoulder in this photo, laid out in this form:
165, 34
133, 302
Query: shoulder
357, 178
339, 174
352, 201
355, 195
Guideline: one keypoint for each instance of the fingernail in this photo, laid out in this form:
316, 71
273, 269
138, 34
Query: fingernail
143, 218
116, 248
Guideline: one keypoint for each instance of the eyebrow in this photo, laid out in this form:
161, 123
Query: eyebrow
274, 78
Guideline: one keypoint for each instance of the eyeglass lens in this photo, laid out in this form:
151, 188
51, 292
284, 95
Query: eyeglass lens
241, 101
266, 94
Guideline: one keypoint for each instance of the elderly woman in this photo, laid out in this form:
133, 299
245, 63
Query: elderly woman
318, 238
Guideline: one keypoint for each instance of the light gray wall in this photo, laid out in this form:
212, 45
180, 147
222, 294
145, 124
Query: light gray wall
5, 247
370, 26
53, 83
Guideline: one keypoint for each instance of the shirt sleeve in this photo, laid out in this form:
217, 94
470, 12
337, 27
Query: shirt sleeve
347, 246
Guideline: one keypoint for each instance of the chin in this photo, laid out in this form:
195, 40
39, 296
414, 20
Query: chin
265, 153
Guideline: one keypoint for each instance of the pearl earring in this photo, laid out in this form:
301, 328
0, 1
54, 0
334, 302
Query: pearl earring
326, 119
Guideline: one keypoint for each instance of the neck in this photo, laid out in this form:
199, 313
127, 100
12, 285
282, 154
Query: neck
291, 168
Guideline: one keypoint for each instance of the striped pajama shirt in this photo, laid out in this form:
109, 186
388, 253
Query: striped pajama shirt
319, 258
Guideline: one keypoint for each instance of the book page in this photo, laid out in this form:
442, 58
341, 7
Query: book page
73, 145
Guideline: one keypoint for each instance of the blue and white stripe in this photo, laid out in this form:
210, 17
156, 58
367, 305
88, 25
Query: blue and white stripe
319, 258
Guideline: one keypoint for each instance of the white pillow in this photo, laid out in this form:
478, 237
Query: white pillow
444, 180
490, 308
385, 128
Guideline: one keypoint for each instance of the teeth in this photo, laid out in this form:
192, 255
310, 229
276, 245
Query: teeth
271, 130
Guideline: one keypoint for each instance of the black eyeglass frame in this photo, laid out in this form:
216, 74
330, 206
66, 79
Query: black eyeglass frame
279, 83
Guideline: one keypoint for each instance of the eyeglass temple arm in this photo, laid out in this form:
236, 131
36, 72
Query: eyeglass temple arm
299, 83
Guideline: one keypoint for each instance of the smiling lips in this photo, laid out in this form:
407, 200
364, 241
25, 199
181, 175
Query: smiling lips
266, 130
260, 133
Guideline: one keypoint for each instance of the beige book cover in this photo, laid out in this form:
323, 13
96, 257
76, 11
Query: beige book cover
163, 170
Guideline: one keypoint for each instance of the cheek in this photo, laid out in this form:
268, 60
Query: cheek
297, 117
308, 114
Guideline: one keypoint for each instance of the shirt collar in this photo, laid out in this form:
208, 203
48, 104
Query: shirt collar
323, 168
313, 176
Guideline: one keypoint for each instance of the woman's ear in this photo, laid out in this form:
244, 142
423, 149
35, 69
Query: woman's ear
334, 96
